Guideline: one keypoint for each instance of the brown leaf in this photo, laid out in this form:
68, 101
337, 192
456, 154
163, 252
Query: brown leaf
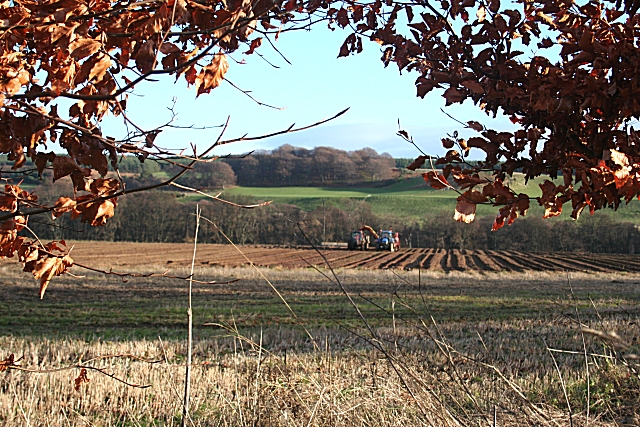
146, 57
212, 75
417, 163
552, 209
103, 186
255, 43
64, 166
435, 180
342, 18
7, 363
466, 206
452, 95
63, 205
28, 253
99, 68
8, 202
95, 213
41, 160
48, 267
78, 178
477, 126
82, 379
191, 75
82, 47
473, 86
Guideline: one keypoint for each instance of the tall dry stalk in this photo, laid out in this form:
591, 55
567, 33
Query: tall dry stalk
187, 374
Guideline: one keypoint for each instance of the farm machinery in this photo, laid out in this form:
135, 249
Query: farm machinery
361, 240
385, 240
388, 240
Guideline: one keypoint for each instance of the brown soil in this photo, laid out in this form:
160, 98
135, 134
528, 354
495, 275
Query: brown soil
179, 255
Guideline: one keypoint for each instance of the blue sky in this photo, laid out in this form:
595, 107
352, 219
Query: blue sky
316, 85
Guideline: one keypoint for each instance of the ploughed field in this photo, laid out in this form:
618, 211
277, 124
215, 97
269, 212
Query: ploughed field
179, 255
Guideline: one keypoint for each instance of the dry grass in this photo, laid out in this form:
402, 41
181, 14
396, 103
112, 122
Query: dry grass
462, 369
238, 383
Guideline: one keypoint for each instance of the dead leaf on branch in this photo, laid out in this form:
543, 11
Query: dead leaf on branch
9, 200
28, 253
81, 379
82, 47
104, 186
65, 166
99, 68
63, 205
477, 126
473, 86
145, 57
466, 206
7, 363
453, 95
436, 180
417, 163
255, 43
48, 267
211, 76
95, 213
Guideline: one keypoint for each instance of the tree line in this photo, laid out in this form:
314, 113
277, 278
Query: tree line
284, 166
162, 216
321, 166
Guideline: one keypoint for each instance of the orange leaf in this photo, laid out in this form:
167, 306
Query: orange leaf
62, 205
47, 268
81, 48
435, 180
82, 379
255, 43
104, 186
100, 68
466, 206
212, 75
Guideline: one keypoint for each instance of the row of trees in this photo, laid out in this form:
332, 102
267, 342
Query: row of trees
293, 166
162, 217
284, 166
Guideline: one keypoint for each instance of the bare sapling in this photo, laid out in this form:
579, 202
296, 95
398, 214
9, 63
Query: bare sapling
187, 374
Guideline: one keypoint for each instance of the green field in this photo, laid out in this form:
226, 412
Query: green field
97, 305
409, 199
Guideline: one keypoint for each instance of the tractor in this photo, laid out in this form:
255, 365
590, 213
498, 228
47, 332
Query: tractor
360, 240
388, 240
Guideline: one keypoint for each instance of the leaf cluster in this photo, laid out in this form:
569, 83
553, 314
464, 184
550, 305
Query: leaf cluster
89, 57
574, 110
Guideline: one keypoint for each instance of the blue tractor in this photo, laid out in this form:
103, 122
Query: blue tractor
387, 240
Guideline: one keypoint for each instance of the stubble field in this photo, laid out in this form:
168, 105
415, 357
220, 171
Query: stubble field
441, 349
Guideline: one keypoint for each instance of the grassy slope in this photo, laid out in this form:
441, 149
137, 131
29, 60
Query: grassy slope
410, 199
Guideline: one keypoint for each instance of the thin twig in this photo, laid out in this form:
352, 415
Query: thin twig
165, 275
187, 375
562, 384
